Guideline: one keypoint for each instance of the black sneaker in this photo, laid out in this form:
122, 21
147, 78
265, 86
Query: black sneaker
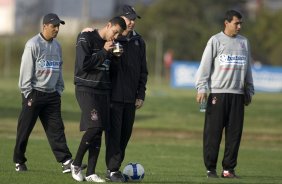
212, 174
228, 174
20, 167
115, 176
67, 167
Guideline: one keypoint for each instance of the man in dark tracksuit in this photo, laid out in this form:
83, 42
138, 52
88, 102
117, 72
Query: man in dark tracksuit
129, 78
92, 89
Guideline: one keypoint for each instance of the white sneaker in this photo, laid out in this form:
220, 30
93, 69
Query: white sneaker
76, 173
94, 178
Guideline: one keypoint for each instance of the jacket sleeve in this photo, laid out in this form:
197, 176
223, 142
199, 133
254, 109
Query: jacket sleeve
60, 84
27, 69
88, 58
204, 70
143, 73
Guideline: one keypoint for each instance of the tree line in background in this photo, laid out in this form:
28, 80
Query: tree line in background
183, 26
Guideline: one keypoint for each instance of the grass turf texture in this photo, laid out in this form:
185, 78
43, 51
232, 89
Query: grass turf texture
167, 139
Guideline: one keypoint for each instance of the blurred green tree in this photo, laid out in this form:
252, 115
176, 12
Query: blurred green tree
265, 35
184, 26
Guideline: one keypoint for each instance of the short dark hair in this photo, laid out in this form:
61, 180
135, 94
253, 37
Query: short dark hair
118, 20
230, 14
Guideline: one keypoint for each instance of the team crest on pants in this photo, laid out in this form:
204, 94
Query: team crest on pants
29, 103
94, 115
214, 99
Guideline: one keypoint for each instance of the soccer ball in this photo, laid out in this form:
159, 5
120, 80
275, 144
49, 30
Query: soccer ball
133, 172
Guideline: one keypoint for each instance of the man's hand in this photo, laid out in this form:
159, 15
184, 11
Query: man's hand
108, 45
201, 97
248, 99
139, 103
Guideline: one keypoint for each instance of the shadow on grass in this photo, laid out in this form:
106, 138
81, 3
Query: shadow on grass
10, 112
144, 117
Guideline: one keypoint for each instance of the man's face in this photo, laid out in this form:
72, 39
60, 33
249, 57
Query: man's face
130, 23
113, 32
233, 27
50, 30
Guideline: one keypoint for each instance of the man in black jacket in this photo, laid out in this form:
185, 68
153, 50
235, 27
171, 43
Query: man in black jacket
129, 78
92, 89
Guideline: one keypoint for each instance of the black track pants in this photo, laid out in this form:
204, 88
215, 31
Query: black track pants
122, 119
224, 111
46, 106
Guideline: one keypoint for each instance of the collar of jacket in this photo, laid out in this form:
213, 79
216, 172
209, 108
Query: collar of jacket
131, 36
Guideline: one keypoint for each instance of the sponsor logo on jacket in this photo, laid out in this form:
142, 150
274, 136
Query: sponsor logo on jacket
50, 64
225, 59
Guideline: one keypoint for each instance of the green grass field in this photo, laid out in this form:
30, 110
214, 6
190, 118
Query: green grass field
167, 139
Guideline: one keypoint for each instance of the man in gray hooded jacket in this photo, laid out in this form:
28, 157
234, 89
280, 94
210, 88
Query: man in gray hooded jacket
225, 71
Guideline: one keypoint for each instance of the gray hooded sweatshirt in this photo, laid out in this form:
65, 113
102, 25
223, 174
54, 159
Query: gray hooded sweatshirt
225, 66
41, 66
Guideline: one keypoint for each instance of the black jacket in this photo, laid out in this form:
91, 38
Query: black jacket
129, 72
92, 62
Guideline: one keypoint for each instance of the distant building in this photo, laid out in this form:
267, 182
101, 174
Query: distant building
273, 4
7, 16
23, 16
253, 6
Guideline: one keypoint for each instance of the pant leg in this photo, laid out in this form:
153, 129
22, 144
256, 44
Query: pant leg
52, 122
127, 126
93, 154
26, 122
233, 131
213, 128
91, 138
113, 136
